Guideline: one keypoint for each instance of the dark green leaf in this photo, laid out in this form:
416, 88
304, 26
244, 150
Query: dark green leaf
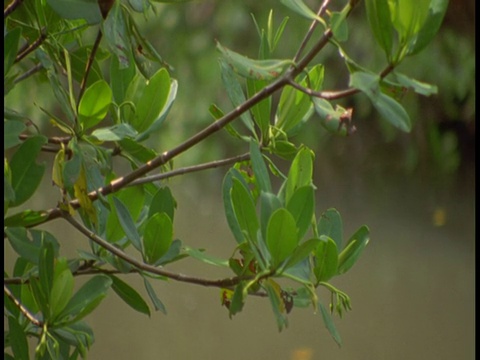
62, 288
115, 133
157, 237
26, 173
116, 33
10, 48
120, 78
157, 303
45, 272
261, 110
237, 301
353, 249
302, 252
131, 297
12, 129
330, 224
378, 15
228, 205
25, 218
268, 204
18, 339
244, 209
163, 201
77, 9
276, 301
21, 244
259, 168
127, 223
302, 206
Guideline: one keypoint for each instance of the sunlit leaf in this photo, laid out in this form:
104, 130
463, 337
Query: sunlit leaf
94, 104
300, 173
282, 236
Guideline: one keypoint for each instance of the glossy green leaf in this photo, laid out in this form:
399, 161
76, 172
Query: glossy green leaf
436, 13
379, 18
353, 249
389, 108
282, 236
157, 303
259, 168
77, 9
326, 259
329, 324
300, 173
295, 107
330, 224
163, 201
152, 101
254, 69
62, 288
127, 223
206, 258
300, 8
408, 17
115, 133
244, 209
10, 48
86, 299
235, 93
128, 294
17, 339
26, 173
157, 237
302, 206
94, 104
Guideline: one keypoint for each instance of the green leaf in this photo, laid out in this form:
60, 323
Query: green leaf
261, 110
26, 173
152, 101
45, 273
259, 168
157, 303
77, 9
115, 32
330, 224
336, 121
115, 133
436, 13
128, 294
268, 204
302, 252
10, 48
254, 69
137, 151
238, 299
17, 339
94, 104
120, 78
326, 259
300, 173
163, 201
390, 109
127, 223
329, 324
408, 17
276, 301
203, 257
302, 206
295, 107
235, 93
17, 236
300, 8
353, 249
26, 218
86, 299
62, 287
339, 27
244, 209
378, 15
282, 236
417, 86
157, 237
228, 205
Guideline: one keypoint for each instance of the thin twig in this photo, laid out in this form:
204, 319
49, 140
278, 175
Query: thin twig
90, 60
11, 8
21, 307
222, 283
28, 73
32, 46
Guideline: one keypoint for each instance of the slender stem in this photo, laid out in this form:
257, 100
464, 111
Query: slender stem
11, 8
32, 46
91, 58
222, 283
21, 307
28, 73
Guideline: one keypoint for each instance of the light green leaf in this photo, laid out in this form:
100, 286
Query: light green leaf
300, 8
254, 69
336, 121
26, 218
127, 223
282, 236
301, 253
261, 110
300, 173
417, 86
120, 78
26, 173
276, 301
378, 15
203, 257
94, 104
157, 237
339, 26
128, 294
268, 204
62, 287
353, 249
163, 201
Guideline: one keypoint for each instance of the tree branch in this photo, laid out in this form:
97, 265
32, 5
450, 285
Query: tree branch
21, 307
